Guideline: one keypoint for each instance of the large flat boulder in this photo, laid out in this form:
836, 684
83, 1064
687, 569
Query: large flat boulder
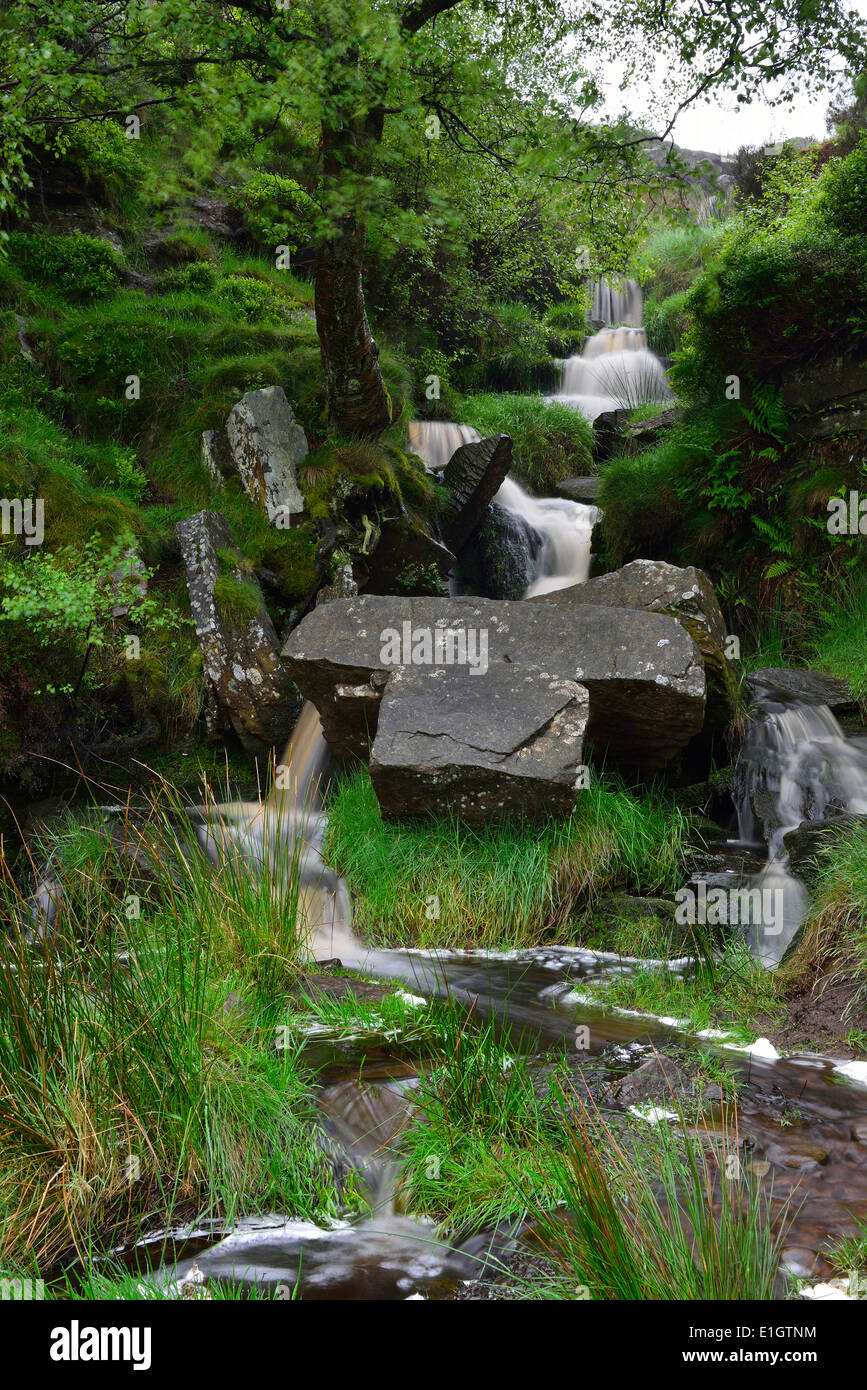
267, 444
472, 477
504, 743
239, 645
643, 670
686, 594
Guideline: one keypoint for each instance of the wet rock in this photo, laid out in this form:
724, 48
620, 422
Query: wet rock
827, 399
779, 686
642, 670
659, 1078
648, 431
267, 444
242, 664
500, 561
486, 746
472, 477
806, 842
584, 490
608, 430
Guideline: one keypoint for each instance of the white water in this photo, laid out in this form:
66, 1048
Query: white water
282, 837
436, 440
566, 529
616, 370
800, 761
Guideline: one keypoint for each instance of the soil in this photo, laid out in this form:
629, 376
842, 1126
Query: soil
819, 1018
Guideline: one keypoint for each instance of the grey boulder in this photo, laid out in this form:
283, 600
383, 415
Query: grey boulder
267, 444
472, 477
240, 648
505, 743
643, 671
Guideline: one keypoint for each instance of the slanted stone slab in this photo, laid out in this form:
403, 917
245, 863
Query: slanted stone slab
643, 670
486, 745
473, 476
267, 445
242, 664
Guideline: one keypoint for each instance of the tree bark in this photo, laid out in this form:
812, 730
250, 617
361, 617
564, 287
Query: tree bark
358, 402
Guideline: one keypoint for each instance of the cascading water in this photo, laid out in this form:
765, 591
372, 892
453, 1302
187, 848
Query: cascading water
616, 370
796, 765
436, 440
565, 528
282, 837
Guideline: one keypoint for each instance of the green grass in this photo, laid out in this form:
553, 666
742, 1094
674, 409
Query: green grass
729, 991
833, 946
148, 1034
479, 1150
549, 441
443, 884
840, 649
660, 1220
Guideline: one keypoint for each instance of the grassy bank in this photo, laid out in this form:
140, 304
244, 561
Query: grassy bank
138, 1067
443, 884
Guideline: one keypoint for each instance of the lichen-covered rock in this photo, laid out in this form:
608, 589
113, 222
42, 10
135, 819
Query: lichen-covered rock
239, 647
687, 594
267, 445
502, 743
643, 670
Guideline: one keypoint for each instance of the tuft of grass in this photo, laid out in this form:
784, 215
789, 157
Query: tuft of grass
833, 946
731, 989
479, 1150
137, 1061
550, 441
840, 648
444, 884
668, 1223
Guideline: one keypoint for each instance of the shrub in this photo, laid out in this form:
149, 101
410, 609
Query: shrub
108, 164
276, 210
666, 323
844, 192
81, 267
199, 277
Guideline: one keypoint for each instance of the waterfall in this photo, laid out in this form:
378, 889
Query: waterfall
796, 765
566, 529
436, 440
282, 837
616, 370
616, 304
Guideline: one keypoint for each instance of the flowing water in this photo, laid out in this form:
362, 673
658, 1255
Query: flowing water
796, 765
615, 370
564, 527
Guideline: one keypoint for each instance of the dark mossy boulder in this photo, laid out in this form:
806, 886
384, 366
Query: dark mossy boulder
500, 560
472, 478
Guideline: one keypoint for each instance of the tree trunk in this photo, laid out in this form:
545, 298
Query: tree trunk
358, 402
